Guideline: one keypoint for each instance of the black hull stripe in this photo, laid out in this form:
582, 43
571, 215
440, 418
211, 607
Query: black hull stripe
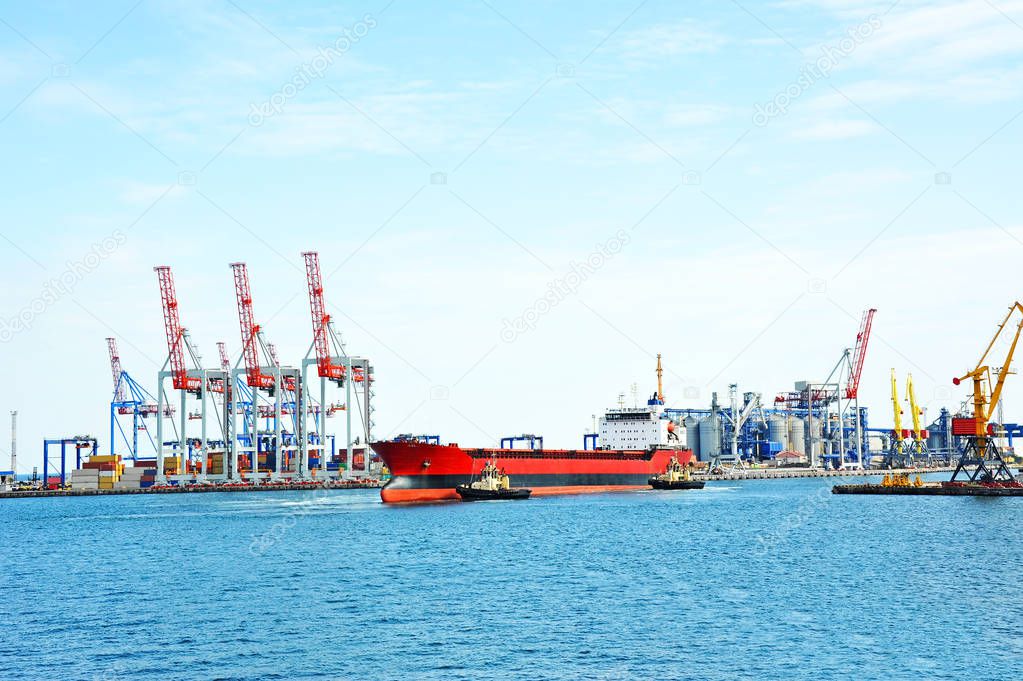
539, 480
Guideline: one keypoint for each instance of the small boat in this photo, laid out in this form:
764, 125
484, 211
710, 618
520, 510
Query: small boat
676, 476
469, 493
658, 483
492, 485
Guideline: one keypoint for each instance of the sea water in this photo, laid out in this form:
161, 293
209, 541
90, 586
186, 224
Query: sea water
759, 579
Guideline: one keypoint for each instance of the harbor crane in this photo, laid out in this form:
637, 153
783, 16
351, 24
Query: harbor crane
859, 355
262, 372
251, 333
981, 461
177, 335
897, 456
334, 364
855, 362
918, 444
738, 417
115, 369
225, 362
820, 396
130, 398
197, 381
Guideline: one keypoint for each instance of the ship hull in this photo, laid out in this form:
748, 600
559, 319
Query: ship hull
425, 472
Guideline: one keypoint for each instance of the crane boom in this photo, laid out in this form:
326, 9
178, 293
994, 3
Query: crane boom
852, 387
249, 329
983, 404
660, 383
325, 367
225, 363
174, 331
115, 369
914, 409
896, 407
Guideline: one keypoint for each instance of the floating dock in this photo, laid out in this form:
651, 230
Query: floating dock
931, 489
194, 489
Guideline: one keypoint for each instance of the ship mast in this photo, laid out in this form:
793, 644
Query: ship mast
660, 385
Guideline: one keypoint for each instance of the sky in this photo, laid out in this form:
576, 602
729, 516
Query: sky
516, 205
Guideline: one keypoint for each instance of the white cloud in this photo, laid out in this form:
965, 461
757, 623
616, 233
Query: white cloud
145, 193
938, 37
671, 40
835, 130
699, 115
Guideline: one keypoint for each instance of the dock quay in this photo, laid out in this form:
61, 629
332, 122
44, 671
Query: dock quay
776, 473
197, 488
932, 490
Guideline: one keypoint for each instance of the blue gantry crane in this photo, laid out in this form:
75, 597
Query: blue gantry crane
130, 406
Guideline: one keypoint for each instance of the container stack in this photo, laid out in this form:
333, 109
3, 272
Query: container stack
266, 462
110, 469
148, 468
85, 478
136, 477
172, 465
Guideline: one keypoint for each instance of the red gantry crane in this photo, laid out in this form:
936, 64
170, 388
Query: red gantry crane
859, 355
254, 375
252, 341
176, 340
852, 385
267, 377
814, 397
333, 363
183, 380
321, 320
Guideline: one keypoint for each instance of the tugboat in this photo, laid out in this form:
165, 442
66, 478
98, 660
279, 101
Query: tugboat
493, 484
676, 476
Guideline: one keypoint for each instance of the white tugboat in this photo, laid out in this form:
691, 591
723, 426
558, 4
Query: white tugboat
492, 484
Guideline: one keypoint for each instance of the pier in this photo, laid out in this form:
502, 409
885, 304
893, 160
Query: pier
196, 489
776, 473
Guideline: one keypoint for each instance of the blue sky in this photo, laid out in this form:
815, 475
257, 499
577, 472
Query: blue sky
752, 245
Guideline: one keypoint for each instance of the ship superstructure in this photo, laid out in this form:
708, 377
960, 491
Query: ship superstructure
640, 427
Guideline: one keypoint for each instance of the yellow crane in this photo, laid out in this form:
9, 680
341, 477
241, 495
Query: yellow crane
897, 457
981, 460
918, 448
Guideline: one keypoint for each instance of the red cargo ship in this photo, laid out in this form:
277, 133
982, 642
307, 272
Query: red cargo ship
430, 472
632, 445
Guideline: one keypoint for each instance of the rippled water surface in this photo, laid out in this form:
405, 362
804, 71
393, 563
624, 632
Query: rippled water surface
761, 579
